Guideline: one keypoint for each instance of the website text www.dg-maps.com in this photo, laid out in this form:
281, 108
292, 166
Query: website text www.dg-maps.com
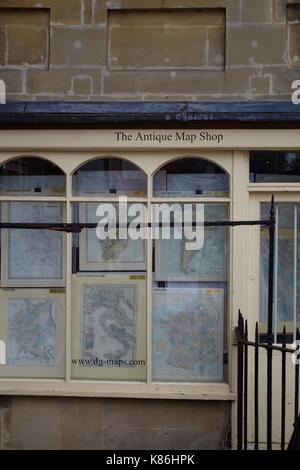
108, 362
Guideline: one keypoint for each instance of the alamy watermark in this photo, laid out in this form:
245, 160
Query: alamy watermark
131, 221
296, 93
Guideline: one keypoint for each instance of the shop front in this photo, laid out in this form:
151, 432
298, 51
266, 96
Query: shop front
142, 317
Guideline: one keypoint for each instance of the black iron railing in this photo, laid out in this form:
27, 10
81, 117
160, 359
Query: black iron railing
244, 388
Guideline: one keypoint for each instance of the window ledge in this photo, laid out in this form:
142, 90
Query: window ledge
212, 391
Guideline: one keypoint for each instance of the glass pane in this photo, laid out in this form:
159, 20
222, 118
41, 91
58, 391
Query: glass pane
190, 299
190, 177
109, 176
108, 296
32, 257
29, 176
274, 166
32, 292
287, 273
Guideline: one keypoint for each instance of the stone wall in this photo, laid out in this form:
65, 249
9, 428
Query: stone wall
92, 423
149, 50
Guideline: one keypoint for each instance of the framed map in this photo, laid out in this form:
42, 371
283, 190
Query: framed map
188, 335
109, 327
174, 263
32, 326
107, 255
32, 258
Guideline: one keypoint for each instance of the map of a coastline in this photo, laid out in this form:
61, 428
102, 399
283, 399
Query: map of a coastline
31, 335
35, 254
109, 322
187, 334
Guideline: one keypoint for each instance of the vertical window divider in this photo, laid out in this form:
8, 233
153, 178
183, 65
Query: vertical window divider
149, 284
68, 281
295, 271
276, 276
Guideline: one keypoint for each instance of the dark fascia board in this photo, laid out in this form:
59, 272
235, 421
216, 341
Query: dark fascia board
70, 113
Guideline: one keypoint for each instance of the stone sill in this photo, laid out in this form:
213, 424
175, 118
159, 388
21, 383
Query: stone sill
33, 387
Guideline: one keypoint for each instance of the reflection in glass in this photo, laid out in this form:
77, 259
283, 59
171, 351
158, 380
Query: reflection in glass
27, 176
190, 292
274, 167
190, 177
287, 267
32, 257
108, 177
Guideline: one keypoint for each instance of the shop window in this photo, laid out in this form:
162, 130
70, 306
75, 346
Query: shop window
274, 166
29, 175
286, 269
109, 176
32, 289
133, 306
32, 327
189, 297
191, 177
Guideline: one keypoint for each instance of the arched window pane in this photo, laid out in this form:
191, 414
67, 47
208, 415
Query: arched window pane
189, 177
31, 175
109, 176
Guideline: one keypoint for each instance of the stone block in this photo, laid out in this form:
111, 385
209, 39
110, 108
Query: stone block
260, 85
78, 47
58, 82
246, 44
24, 17
25, 36
216, 48
35, 428
28, 46
293, 35
81, 426
66, 12
2, 46
165, 414
164, 39
99, 12
88, 12
13, 80
257, 11
128, 84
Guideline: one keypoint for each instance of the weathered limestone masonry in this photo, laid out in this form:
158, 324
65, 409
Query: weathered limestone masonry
149, 50
92, 423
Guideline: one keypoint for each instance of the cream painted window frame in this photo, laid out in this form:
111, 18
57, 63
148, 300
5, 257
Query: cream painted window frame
232, 155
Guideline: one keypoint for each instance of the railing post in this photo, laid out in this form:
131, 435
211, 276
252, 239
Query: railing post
246, 388
256, 389
270, 323
240, 381
283, 389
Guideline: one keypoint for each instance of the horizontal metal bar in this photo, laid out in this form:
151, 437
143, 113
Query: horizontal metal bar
77, 227
274, 347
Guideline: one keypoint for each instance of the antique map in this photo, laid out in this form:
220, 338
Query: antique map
174, 263
31, 332
35, 254
112, 254
188, 334
109, 322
